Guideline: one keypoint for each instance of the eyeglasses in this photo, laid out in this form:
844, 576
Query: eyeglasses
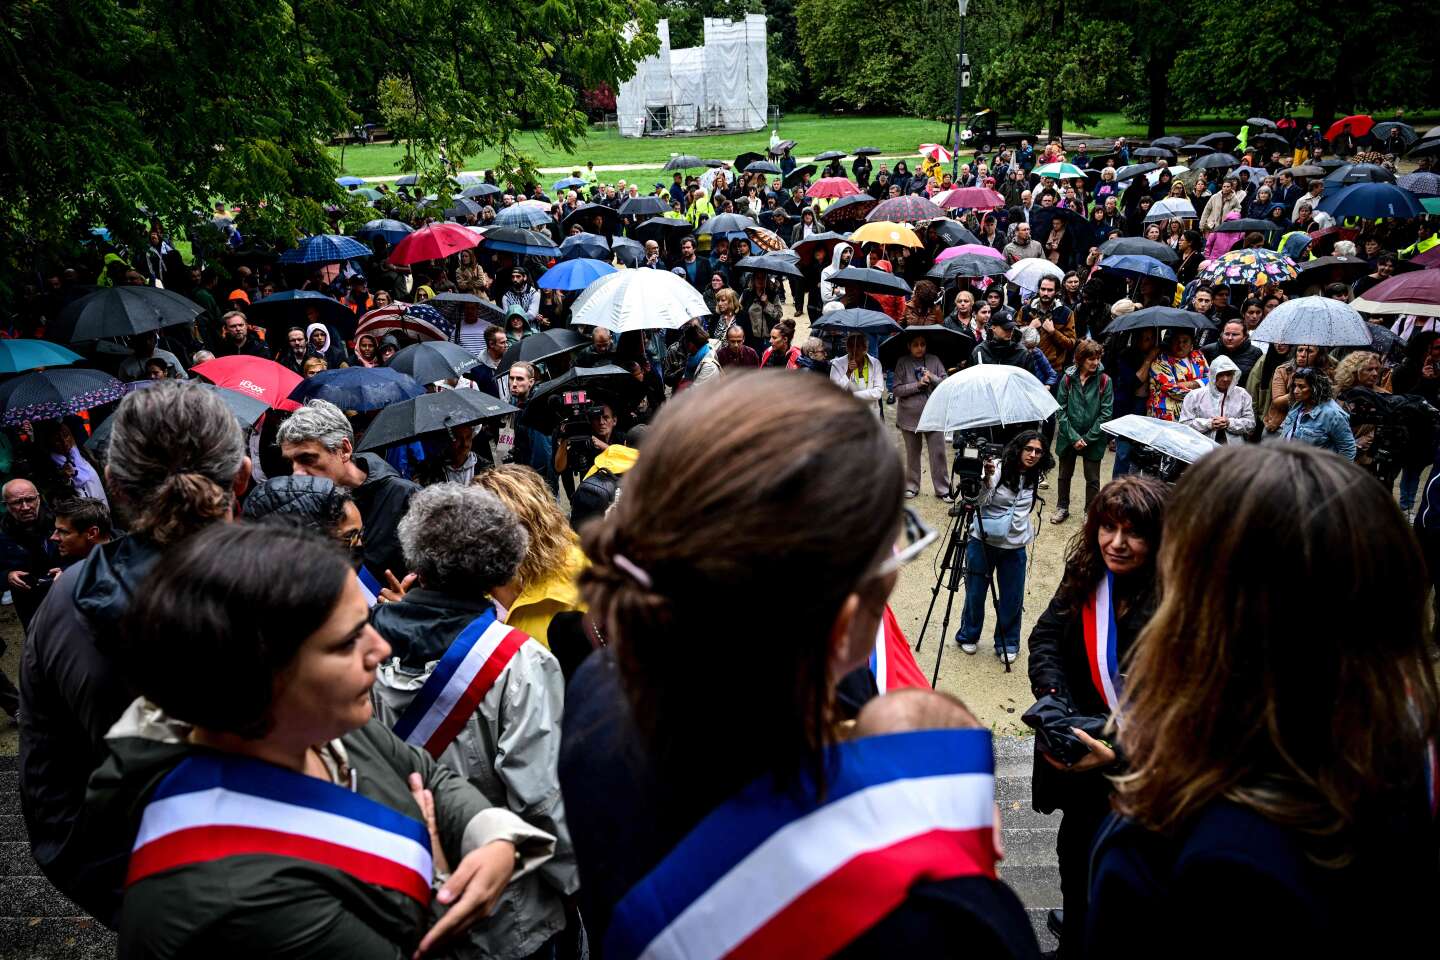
355, 538
916, 534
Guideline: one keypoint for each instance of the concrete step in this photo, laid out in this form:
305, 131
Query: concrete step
15, 861
51, 938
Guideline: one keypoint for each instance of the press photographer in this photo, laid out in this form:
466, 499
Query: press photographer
587, 427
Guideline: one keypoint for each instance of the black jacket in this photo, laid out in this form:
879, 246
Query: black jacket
1009, 353
251, 348
623, 822
28, 547
73, 690
422, 628
383, 499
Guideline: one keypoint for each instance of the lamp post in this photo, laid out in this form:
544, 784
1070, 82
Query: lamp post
962, 80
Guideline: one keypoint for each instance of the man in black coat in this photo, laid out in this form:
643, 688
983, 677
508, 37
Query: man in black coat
1002, 345
236, 339
1234, 343
27, 554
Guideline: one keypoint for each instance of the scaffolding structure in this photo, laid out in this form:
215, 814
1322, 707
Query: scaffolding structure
721, 87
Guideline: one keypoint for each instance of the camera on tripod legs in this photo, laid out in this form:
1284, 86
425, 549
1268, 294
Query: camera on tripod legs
1154, 463
575, 409
972, 449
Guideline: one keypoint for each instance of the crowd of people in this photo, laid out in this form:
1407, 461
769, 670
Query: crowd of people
283, 694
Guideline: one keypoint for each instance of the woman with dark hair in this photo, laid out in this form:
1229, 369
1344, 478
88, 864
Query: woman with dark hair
1277, 748
924, 306
1301, 355
272, 814
659, 753
781, 353
997, 542
1179, 369
1108, 585
1315, 417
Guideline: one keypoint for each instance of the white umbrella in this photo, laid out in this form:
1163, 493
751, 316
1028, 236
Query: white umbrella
986, 395
639, 299
1170, 438
1027, 273
1154, 175
1172, 208
1317, 320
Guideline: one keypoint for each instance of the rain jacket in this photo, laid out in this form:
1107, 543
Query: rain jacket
538, 603
827, 288
264, 905
334, 354
867, 383
383, 498
509, 749
1083, 408
1218, 209
1218, 244
1201, 406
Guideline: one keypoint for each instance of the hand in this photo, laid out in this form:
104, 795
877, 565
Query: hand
16, 579
1048, 326
1080, 444
54, 572
599, 444
425, 800
395, 589
1221, 423
1100, 754
989, 468
473, 889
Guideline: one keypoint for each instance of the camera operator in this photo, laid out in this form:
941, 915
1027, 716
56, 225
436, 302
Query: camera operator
998, 537
575, 451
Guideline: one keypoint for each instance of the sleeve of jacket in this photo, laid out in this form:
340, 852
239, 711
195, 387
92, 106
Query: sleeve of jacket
1243, 421
1338, 426
1192, 416
1065, 434
1046, 664
905, 383
874, 385
1107, 409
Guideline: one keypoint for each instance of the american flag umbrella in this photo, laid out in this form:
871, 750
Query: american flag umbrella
936, 152
831, 188
326, 248
907, 209
412, 319
969, 198
434, 242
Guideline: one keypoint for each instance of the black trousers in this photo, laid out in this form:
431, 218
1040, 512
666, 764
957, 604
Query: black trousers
1079, 823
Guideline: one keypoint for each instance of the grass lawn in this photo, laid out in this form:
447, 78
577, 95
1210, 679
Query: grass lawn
814, 134
1117, 125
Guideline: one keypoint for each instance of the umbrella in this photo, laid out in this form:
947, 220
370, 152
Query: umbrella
1216, 139
1156, 318
1028, 273
1356, 126
653, 228
17, 356
1247, 224
392, 230
986, 395
121, 312
407, 180
247, 411
769, 264
1197, 149
951, 346
629, 252
522, 216
1169, 437
976, 249
419, 320
952, 232
726, 224
868, 278
1042, 219
1371, 201
644, 207
1170, 143
588, 245
849, 210
461, 208
357, 388
1256, 267
1304, 170
936, 152
776, 149
566, 183
969, 198
1256, 174
1358, 173
1429, 147
763, 166
326, 248
587, 212
1160, 153
350, 181
369, 193
1136, 169
867, 152
831, 188
1382, 131
806, 249
255, 377
477, 190
542, 346
639, 299
291, 308
886, 233
1430, 204
1260, 123
433, 242
513, 240
1214, 161
574, 274
1059, 171
1139, 246
52, 394
1273, 139
1317, 320
604, 381
794, 177
1422, 182
967, 265
767, 240
683, 161
454, 306
1342, 267
1427, 260
1137, 265
828, 155
855, 320
443, 410
433, 361
1416, 292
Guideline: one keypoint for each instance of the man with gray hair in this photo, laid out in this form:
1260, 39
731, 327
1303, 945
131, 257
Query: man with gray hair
482, 698
319, 442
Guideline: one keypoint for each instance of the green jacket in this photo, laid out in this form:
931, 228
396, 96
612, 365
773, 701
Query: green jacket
1082, 410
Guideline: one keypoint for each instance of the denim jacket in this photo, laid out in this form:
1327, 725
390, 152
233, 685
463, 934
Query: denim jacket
1325, 426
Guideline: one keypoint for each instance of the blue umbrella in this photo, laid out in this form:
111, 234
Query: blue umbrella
567, 184
523, 216
358, 388
392, 230
1137, 265
326, 248
1371, 201
573, 274
512, 240
17, 356
290, 308
350, 181
588, 245
1422, 182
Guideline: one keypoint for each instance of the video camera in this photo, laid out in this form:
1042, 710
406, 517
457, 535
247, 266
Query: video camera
1404, 427
574, 409
972, 449
1152, 462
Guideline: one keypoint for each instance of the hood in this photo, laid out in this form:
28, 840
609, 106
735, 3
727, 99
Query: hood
109, 578
310, 332
1222, 364
144, 746
1073, 371
312, 502
376, 469
834, 266
1004, 350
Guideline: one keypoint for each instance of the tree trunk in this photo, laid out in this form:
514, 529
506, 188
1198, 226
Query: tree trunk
1323, 107
1055, 121
1157, 70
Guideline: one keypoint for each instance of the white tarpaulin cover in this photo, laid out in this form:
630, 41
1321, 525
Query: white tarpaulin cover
721, 86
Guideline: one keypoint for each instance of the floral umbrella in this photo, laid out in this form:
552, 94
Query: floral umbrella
52, 394
1255, 267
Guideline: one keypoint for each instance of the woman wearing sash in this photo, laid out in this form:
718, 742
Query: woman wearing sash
272, 816
704, 783
1077, 648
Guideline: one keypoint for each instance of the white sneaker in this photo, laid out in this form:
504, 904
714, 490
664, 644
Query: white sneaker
969, 648
1009, 657
7, 600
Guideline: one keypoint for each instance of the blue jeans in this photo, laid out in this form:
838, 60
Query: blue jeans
1409, 485
1122, 464
1008, 568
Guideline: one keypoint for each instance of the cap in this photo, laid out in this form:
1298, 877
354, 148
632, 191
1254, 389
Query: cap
1002, 318
239, 295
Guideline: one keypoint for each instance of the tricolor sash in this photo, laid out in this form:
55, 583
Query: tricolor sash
369, 584
1098, 619
213, 806
891, 662
770, 874
459, 682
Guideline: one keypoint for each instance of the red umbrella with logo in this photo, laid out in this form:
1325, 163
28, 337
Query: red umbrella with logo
435, 242
265, 380
831, 188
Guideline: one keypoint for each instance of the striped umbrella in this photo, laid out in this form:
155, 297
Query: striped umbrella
326, 248
1416, 292
523, 216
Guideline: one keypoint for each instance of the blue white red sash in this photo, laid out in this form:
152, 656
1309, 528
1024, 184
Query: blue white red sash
771, 874
213, 806
459, 682
1098, 619
891, 662
369, 584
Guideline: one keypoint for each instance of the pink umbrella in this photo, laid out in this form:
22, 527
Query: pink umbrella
970, 198
936, 152
831, 188
974, 248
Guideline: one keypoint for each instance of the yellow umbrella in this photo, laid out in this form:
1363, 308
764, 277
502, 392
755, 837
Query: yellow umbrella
883, 231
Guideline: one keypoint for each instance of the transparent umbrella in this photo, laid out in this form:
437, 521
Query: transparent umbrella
1170, 438
984, 396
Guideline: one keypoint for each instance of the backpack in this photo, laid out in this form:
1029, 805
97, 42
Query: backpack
593, 496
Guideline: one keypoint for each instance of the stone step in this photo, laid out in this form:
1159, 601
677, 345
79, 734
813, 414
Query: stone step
12, 827
33, 896
55, 938
1038, 921
1037, 886
1029, 846
15, 861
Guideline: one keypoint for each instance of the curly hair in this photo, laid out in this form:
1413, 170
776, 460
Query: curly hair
1348, 370
461, 539
551, 540
1320, 386
1133, 501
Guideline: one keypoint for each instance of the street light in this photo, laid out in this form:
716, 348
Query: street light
962, 80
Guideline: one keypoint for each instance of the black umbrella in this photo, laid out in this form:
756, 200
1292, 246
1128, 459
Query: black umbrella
627, 251
829, 155
769, 263
968, 265
585, 215
953, 233
477, 190
433, 361
1169, 143
291, 308
685, 161
762, 166
1140, 247
1358, 173
867, 152
1159, 317
1341, 268
1215, 161
542, 346
855, 320
461, 208
1196, 149
589, 246
1216, 139
1331, 164
1260, 123
430, 413
643, 206
868, 278
806, 249
1382, 131
794, 177
1273, 139
1304, 170
122, 312
1159, 153
745, 159
1246, 224
726, 223
247, 412
1135, 170
779, 148
1429, 147
852, 209
608, 382
55, 393
716, 163
1043, 218
951, 346
655, 227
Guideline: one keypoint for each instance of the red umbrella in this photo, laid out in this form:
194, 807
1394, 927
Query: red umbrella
435, 242
970, 198
1356, 126
264, 380
832, 188
1417, 292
